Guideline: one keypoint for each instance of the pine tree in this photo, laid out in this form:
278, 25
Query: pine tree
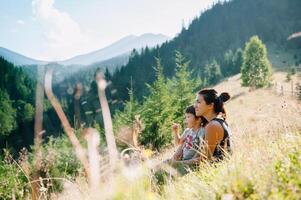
131, 109
7, 114
256, 70
157, 112
232, 62
183, 87
25, 111
212, 73
237, 61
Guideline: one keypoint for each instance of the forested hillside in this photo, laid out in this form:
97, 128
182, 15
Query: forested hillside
215, 35
213, 44
17, 94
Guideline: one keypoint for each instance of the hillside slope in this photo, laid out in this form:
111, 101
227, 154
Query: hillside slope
265, 128
226, 26
262, 110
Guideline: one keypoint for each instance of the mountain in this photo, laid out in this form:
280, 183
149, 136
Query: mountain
223, 28
18, 59
122, 46
119, 49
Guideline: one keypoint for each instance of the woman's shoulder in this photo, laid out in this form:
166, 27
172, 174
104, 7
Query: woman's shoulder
214, 126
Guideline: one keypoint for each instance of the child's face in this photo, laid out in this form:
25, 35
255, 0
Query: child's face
190, 120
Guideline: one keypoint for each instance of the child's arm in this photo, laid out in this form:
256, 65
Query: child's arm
175, 130
179, 153
178, 140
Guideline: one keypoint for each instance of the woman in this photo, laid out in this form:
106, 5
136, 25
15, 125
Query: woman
217, 134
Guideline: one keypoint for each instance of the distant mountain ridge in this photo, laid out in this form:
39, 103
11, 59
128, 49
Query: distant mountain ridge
18, 59
122, 46
119, 48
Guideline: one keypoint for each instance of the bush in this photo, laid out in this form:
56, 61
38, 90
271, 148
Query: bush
287, 182
59, 161
13, 181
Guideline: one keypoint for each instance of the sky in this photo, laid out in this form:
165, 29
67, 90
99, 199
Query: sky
60, 29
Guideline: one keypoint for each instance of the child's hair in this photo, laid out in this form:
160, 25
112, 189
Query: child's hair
190, 109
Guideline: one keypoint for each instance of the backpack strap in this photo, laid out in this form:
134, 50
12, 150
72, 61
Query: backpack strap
226, 141
224, 124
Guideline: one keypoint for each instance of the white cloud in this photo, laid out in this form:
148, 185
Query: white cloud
63, 35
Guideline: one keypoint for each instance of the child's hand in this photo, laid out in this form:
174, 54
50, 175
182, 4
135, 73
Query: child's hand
175, 127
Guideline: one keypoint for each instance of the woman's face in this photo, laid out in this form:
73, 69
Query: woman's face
191, 120
201, 108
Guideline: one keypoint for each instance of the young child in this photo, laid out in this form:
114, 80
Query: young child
190, 141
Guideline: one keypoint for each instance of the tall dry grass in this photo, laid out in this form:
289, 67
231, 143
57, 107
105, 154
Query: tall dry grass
265, 163
266, 142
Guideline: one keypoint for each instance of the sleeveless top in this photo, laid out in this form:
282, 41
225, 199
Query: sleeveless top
225, 146
192, 142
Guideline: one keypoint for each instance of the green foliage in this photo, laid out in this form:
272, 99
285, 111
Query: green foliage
287, 182
7, 114
16, 106
256, 70
165, 104
157, 114
13, 182
58, 161
183, 87
28, 112
232, 62
243, 188
25, 111
127, 116
212, 73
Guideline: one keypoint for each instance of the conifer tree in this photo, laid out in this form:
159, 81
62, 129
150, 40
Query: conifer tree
7, 114
157, 112
256, 70
183, 87
212, 73
131, 108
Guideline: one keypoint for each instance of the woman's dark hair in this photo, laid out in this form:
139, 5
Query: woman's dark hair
191, 110
210, 96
